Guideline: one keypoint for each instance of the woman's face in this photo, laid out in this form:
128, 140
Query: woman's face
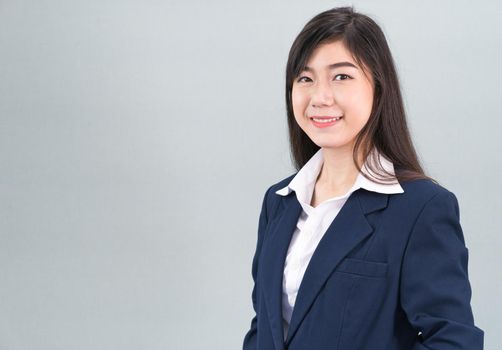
332, 85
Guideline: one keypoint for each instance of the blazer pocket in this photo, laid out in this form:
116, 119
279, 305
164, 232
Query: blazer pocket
363, 267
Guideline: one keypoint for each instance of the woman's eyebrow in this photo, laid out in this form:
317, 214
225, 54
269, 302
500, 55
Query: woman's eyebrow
333, 66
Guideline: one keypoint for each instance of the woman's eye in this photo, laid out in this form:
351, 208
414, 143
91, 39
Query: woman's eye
342, 75
301, 79
338, 77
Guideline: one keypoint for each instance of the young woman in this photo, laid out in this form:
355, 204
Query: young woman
359, 249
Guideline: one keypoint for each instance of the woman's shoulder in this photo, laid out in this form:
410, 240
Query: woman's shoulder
417, 192
420, 192
281, 183
424, 187
270, 195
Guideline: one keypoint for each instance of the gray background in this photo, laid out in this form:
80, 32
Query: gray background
137, 139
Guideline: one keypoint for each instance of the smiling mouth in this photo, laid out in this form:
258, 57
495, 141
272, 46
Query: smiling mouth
328, 119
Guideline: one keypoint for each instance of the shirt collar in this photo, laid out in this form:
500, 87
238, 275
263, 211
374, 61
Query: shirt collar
304, 181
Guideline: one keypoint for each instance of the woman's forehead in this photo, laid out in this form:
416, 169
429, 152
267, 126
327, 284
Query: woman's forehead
329, 54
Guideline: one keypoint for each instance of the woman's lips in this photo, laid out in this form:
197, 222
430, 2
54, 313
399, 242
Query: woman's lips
325, 124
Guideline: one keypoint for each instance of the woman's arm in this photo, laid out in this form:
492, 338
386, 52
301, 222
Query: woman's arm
250, 337
435, 289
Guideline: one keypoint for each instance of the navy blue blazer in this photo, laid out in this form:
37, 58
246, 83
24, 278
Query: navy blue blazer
390, 273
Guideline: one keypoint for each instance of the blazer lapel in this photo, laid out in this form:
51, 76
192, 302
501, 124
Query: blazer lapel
272, 259
346, 231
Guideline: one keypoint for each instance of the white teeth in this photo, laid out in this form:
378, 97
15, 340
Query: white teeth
326, 120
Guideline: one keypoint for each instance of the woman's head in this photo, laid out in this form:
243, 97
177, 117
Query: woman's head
332, 85
367, 95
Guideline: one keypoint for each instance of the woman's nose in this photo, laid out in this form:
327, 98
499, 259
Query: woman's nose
322, 95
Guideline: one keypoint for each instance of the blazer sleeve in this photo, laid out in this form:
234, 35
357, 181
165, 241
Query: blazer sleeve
250, 337
435, 289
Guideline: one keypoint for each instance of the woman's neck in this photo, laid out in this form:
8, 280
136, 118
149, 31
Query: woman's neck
338, 172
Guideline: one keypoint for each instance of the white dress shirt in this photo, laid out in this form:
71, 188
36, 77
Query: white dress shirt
313, 222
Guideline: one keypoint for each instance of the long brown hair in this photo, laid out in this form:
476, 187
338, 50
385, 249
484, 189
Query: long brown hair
386, 129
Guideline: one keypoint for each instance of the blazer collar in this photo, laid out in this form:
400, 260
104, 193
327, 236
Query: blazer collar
348, 228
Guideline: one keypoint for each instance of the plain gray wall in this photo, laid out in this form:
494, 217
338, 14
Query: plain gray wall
137, 139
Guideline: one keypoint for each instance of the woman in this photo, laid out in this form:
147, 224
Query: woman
358, 250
